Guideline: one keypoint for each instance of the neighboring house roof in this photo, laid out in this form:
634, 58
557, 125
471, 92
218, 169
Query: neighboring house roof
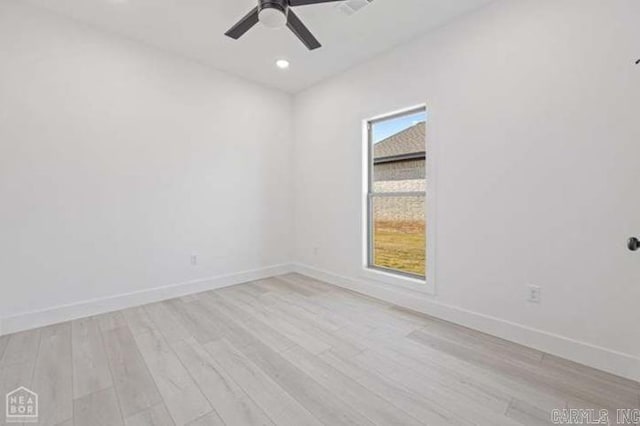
406, 145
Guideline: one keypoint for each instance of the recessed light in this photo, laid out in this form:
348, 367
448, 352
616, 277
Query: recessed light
283, 64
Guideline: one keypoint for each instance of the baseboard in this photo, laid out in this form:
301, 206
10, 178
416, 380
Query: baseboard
621, 364
30, 320
618, 363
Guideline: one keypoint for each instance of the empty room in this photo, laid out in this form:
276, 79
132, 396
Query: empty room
319, 212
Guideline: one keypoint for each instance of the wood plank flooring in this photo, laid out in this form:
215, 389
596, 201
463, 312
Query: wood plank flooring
292, 351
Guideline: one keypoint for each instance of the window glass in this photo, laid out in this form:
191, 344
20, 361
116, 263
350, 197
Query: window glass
397, 190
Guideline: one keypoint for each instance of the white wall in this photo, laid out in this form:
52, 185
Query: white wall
118, 161
534, 110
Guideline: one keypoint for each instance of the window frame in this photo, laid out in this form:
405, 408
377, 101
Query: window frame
388, 275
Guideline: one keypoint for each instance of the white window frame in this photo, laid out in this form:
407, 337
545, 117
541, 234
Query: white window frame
398, 279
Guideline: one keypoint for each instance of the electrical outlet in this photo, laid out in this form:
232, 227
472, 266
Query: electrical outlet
194, 259
535, 294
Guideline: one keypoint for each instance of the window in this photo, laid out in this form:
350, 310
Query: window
396, 195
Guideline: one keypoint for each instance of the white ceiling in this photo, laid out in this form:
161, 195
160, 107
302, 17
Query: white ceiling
195, 28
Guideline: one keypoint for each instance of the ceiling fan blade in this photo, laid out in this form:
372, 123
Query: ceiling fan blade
306, 2
243, 25
299, 29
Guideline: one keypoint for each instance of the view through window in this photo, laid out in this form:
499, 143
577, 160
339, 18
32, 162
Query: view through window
396, 195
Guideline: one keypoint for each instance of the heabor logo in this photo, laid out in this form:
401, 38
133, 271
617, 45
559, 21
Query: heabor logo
22, 406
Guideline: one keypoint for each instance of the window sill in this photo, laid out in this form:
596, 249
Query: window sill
400, 281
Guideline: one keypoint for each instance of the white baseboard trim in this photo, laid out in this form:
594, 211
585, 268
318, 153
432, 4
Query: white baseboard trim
618, 363
30, 320
611, 361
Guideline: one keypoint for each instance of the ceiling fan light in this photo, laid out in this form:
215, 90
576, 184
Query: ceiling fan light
272, 18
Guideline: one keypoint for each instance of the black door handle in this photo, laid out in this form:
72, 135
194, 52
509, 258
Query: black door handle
633, 244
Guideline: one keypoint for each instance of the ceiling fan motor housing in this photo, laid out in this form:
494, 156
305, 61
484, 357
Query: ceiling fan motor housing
280, 5
273, 13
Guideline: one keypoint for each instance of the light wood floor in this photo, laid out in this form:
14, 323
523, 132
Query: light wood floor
291, 351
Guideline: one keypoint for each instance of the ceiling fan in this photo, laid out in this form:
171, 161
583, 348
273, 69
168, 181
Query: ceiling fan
277, 14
